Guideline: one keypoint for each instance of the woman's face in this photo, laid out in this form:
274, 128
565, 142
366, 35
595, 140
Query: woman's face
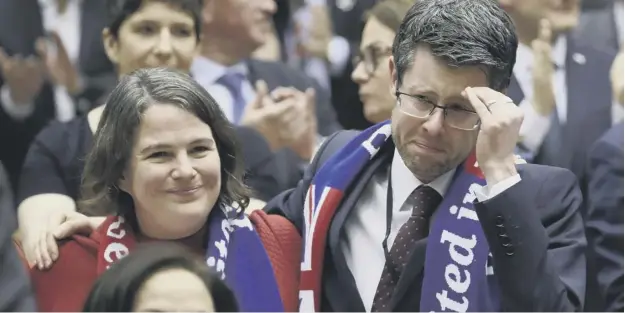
375, 92
157, 35
173, 173
173, 290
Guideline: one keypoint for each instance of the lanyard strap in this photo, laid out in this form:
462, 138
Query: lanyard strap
389, 218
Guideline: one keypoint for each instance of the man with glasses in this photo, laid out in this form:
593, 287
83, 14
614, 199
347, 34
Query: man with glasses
431, 211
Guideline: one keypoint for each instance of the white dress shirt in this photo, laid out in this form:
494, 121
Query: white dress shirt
206, 72
536, 126
365, 228
67, 25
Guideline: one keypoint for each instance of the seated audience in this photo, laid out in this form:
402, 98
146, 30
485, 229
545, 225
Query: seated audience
39, 84
50, 179
165, 166
300, 111
604, 220
160, 277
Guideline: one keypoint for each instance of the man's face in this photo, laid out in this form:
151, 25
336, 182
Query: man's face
248, 22
562, 14
429, 146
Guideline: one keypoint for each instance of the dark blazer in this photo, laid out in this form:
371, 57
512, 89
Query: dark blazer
597, 25
604, 222
534, 231
349, 24
589, 107
276, 74
16, 294
20, 26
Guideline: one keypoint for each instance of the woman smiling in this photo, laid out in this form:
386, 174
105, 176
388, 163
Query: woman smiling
164, 167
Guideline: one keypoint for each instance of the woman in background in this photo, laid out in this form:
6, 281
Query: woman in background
371, 65
160, 277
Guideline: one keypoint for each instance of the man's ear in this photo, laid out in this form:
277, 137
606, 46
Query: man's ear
110, 46
393, 70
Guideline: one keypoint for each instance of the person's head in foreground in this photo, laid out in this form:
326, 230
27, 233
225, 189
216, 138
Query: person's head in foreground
160, 277
152, 33
442, 48
371, 70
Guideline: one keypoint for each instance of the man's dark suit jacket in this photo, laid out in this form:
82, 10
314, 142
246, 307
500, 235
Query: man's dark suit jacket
287, 169
20, 26
589, 107
15, 288
534, 231
604, 222
597, 25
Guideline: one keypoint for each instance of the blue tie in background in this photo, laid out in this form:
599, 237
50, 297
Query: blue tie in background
233, 82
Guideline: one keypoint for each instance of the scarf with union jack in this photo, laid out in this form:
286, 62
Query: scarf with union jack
454, 222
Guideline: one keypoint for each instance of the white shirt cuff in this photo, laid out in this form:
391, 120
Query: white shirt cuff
338, 54
16, 111
534, 128
486, 193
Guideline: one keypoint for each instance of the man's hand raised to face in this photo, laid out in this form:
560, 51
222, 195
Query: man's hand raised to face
500, 121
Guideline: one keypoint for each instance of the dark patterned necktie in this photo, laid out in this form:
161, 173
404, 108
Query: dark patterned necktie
233, 81
423, 202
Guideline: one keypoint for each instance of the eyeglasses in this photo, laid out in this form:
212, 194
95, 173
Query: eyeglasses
456, 116
370, 56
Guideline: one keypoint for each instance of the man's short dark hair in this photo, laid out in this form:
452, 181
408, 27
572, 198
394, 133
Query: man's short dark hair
463, 33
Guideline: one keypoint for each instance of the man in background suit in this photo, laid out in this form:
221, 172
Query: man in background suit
38, 82
250, 90
604, 220
448, 106
14, 282
561, 85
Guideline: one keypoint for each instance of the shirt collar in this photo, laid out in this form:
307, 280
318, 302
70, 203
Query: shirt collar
404, 182
209, 71
525, 55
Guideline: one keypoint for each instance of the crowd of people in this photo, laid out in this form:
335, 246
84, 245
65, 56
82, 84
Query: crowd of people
311, 155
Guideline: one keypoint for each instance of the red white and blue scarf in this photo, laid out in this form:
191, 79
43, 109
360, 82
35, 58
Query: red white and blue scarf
457, 252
